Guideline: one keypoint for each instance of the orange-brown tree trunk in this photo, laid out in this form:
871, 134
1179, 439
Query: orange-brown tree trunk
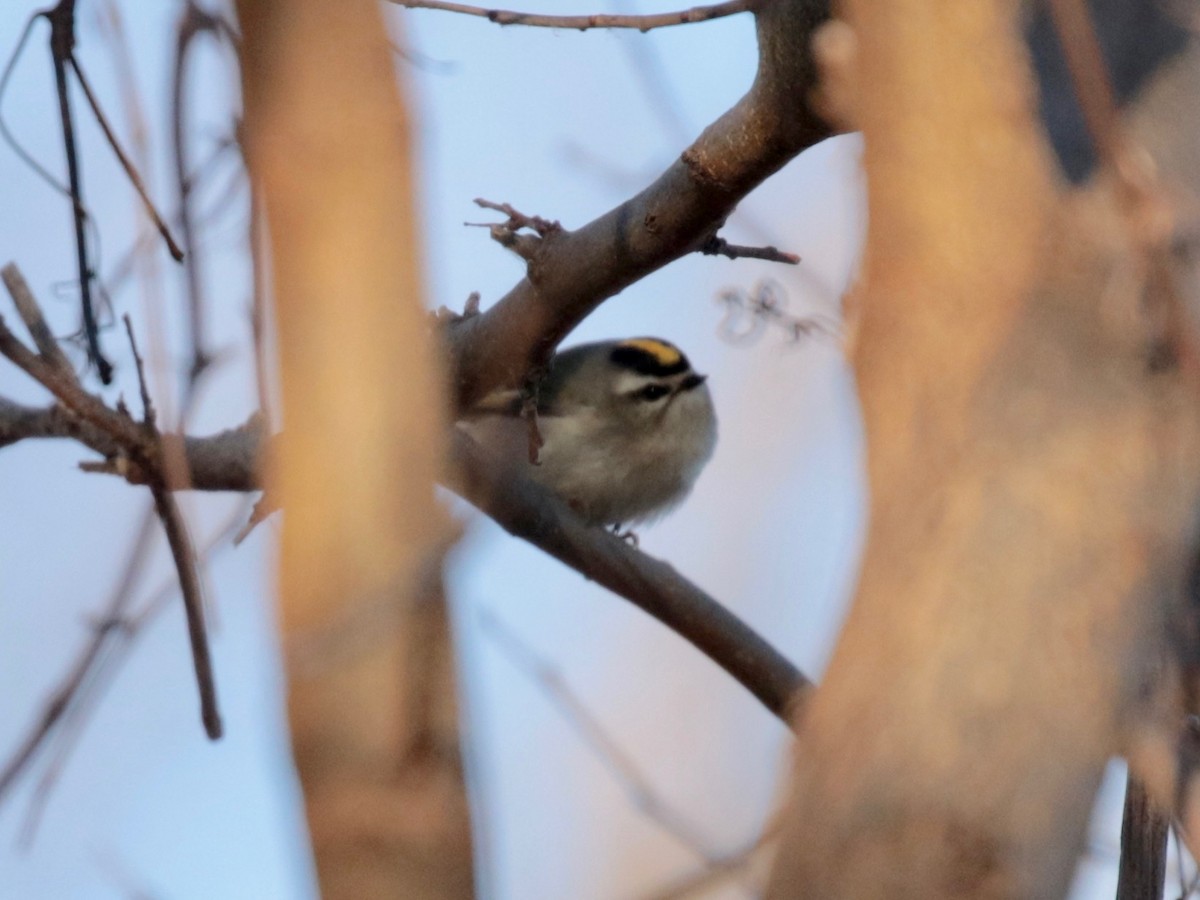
330, 150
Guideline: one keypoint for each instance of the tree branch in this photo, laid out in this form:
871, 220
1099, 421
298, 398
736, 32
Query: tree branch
529, 511
229, 462
573, 272
136, 446
583, 23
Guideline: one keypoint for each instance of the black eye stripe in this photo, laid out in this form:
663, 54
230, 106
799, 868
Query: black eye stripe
651, 392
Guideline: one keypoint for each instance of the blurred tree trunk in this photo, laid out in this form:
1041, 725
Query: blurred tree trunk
371, 683
1033, 458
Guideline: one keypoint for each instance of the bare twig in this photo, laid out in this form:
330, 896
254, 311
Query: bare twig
718, 246
183, 552
126, 164
87, 407
508, 234
112, 639
62, 47
62, 698
193, 605
31, 314
258, 306
583, 23
193, 23
142, 446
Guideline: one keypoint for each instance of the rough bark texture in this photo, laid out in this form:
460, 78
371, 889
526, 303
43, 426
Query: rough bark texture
1033, 478
329, 148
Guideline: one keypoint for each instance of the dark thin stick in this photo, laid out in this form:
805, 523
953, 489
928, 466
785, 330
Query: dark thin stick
62, 45
126, 163
718, 246
1143, 870
193, 605
148, 415
184, 554
583, 23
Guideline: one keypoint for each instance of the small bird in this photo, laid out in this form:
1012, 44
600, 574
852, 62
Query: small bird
626, 426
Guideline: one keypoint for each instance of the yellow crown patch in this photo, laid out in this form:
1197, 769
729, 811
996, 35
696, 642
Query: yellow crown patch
664, 354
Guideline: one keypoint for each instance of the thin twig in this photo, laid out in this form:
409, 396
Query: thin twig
718, 246
184, 554
193, 605
126, 163
62, 46
143, 446
109, 646
71, 395
193, 23
10, 138
583, 23
64, 696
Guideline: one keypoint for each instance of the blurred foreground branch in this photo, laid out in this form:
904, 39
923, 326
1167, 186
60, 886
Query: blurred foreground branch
1034, 470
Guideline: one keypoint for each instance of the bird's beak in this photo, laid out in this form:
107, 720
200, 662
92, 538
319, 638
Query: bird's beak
692, 382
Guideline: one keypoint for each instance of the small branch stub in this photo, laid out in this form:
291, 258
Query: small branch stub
508, 233
718, 246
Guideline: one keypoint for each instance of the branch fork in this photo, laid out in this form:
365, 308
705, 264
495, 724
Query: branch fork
125, 443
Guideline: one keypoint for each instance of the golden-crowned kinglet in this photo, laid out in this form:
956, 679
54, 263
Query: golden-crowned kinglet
627, 426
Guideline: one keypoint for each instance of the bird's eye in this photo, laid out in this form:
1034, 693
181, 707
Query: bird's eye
653, 392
